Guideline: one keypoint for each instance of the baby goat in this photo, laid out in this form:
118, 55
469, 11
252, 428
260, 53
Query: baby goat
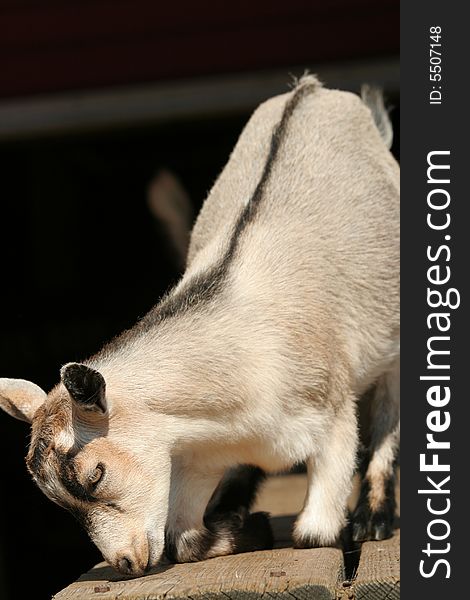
288, 312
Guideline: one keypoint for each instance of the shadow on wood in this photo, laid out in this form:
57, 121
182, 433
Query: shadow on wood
370, 572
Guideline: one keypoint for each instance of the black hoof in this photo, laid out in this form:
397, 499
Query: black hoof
381, 526
312, 541
372, 526
359, 532
306, 542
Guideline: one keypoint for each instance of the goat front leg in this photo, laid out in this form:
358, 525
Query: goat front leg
196, 531
330, 474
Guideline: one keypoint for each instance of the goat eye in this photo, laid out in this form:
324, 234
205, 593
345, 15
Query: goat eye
96, 476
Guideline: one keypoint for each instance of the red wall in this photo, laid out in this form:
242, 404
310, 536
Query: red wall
53, 45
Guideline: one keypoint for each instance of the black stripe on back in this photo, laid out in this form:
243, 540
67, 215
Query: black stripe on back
205, 286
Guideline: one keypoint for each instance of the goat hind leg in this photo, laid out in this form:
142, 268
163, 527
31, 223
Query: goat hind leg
375, 512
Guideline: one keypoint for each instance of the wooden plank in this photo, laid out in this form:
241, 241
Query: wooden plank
378, 573
282, 494
285, 494
284, 574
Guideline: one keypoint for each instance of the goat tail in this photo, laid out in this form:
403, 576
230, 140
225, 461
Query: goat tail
373, 98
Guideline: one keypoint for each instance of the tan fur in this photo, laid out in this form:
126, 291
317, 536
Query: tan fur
267, 370
20, 398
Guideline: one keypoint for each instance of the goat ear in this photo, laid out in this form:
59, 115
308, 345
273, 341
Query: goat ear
85, 385
21, 398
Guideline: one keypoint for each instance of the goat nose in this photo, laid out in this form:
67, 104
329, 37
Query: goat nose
125, 565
